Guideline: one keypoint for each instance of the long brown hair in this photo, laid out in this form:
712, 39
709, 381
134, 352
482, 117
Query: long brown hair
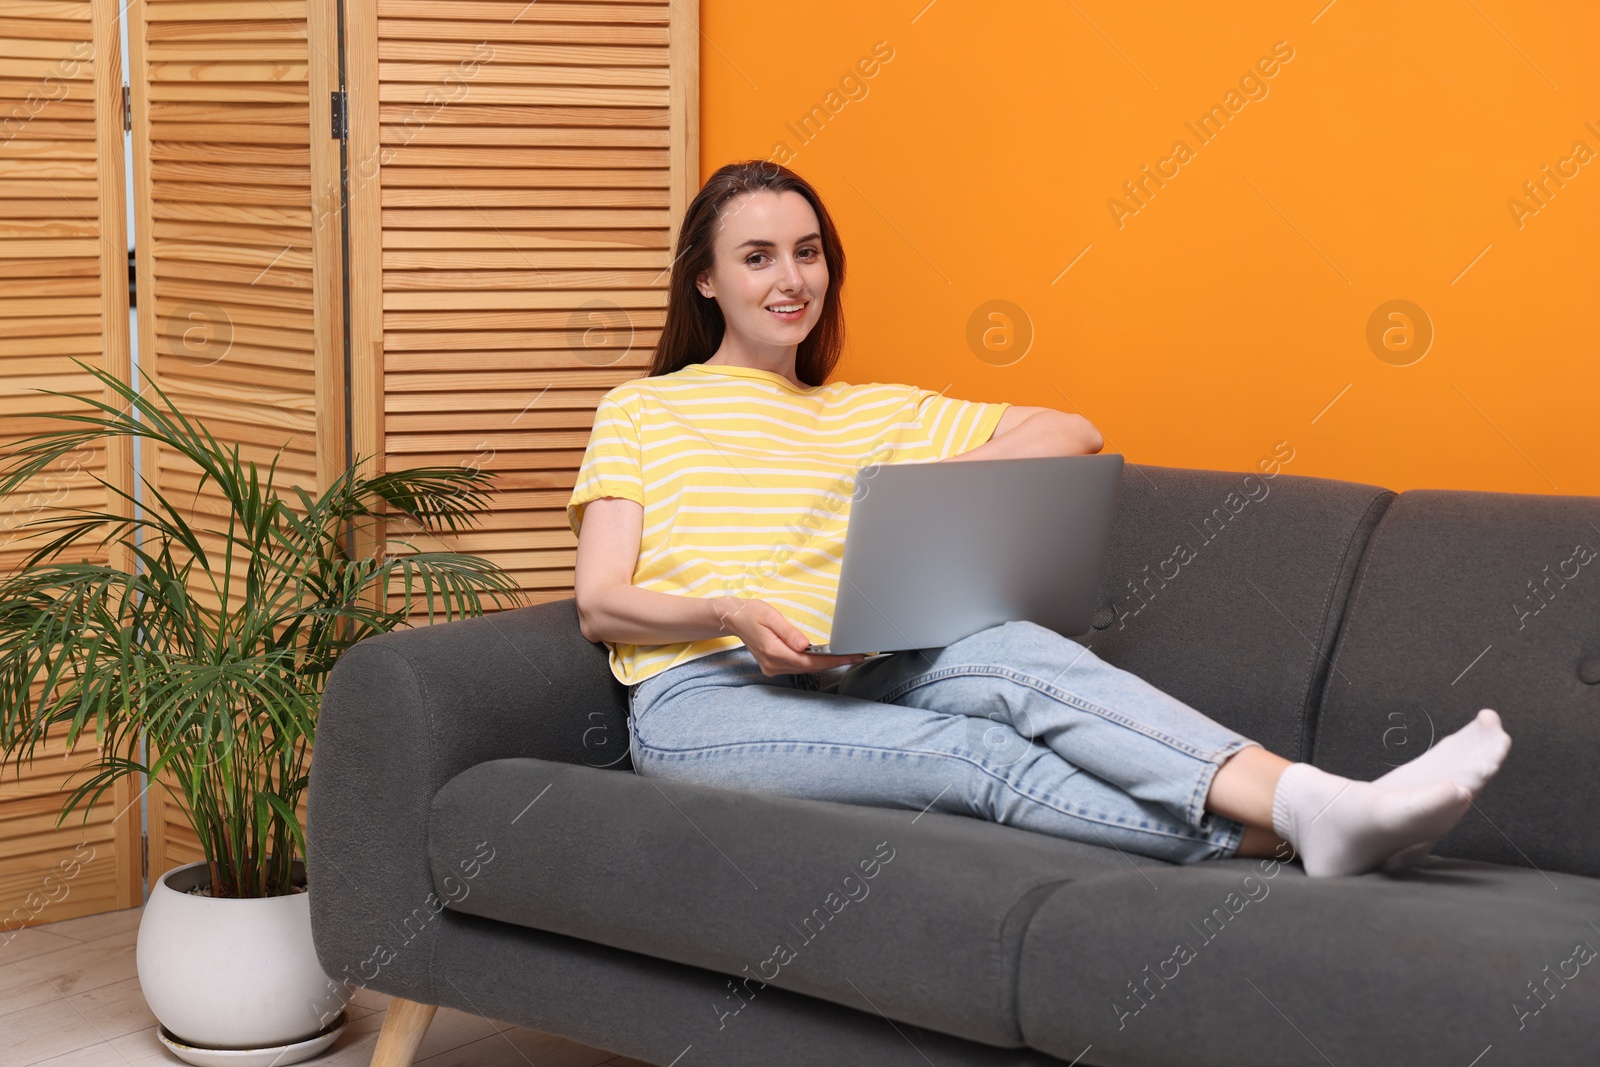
695, 325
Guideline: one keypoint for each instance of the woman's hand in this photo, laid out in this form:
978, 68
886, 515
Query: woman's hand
777, 644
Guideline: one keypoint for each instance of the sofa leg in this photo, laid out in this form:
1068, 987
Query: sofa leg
402, 1032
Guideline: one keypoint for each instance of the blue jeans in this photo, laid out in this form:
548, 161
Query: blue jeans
1015, 724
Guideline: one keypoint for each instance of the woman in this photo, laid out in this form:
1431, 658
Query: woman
711, 509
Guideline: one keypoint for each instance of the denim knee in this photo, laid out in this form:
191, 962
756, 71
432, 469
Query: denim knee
1010, 635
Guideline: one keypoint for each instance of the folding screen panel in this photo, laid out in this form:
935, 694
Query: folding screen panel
517, 171
238, 254
63, 295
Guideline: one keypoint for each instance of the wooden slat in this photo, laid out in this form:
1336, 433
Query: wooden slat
624, 300
441, 133
519, 11
521, 280
402, 321
256, 134
58, 128
230, 29
20, 309
539, 349
524, 31
41, 67
498, 71
243, 215
28, 147
47, 168
289, 49
39, 49
258, 92
457, 51
45, 229
203, 12
402, 154
55, 191
495, 238
50, 327
234, 192
577, 389
213, 70
58, 249
210, 111
63, 10
14, 27
478, 259
188, 170
570, 95
78, 267
399, 175
403, 196
523, 218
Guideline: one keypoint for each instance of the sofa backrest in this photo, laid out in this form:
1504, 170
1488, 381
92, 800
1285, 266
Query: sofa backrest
1466, 600
1226, 590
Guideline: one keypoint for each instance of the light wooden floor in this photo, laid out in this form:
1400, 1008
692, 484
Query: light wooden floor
69, 997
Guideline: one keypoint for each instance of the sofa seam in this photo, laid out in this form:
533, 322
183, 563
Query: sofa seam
1357, 578
1015, 1014
433, 776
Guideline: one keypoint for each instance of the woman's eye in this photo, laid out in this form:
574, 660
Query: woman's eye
808, 253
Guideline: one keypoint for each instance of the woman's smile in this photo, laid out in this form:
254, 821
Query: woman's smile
796, 315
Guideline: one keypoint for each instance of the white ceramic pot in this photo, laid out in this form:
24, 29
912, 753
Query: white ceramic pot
232, 973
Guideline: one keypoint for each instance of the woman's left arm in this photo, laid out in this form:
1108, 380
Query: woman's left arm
1024, 432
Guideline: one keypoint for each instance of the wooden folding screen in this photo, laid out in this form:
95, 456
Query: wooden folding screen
238, 253
517, 172
63, 294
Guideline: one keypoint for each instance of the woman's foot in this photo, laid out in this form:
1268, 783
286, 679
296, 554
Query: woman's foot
1469, 757
1342, 827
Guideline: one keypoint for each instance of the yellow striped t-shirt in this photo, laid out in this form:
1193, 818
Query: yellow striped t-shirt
746, 482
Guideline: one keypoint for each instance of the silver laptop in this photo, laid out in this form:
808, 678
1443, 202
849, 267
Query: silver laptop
935, 552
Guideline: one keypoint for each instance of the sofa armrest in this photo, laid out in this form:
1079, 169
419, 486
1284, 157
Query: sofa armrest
403, 713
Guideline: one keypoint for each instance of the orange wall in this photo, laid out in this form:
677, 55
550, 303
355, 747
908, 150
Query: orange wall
1231, 310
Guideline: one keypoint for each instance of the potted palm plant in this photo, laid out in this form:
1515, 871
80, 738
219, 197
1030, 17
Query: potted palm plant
201, 669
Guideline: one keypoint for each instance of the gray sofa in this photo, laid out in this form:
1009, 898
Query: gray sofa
478, 839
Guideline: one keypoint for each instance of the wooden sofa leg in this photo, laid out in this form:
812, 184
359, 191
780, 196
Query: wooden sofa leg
402, 1032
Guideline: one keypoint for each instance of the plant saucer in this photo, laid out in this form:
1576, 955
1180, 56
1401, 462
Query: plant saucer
277, 1056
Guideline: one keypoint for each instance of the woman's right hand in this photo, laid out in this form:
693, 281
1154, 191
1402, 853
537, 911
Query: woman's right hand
778, 645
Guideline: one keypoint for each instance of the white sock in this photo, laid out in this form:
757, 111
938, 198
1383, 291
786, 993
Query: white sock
1340, 826
1469, 757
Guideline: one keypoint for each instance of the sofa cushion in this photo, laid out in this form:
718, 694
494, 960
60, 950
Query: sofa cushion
1225, 590
1468, 600
915, 915
1239, 963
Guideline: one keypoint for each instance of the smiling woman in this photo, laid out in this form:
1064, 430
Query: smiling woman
737, 450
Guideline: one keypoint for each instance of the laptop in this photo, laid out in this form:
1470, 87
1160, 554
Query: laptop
934, 552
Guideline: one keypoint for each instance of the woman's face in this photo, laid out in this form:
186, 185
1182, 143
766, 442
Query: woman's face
767, 252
